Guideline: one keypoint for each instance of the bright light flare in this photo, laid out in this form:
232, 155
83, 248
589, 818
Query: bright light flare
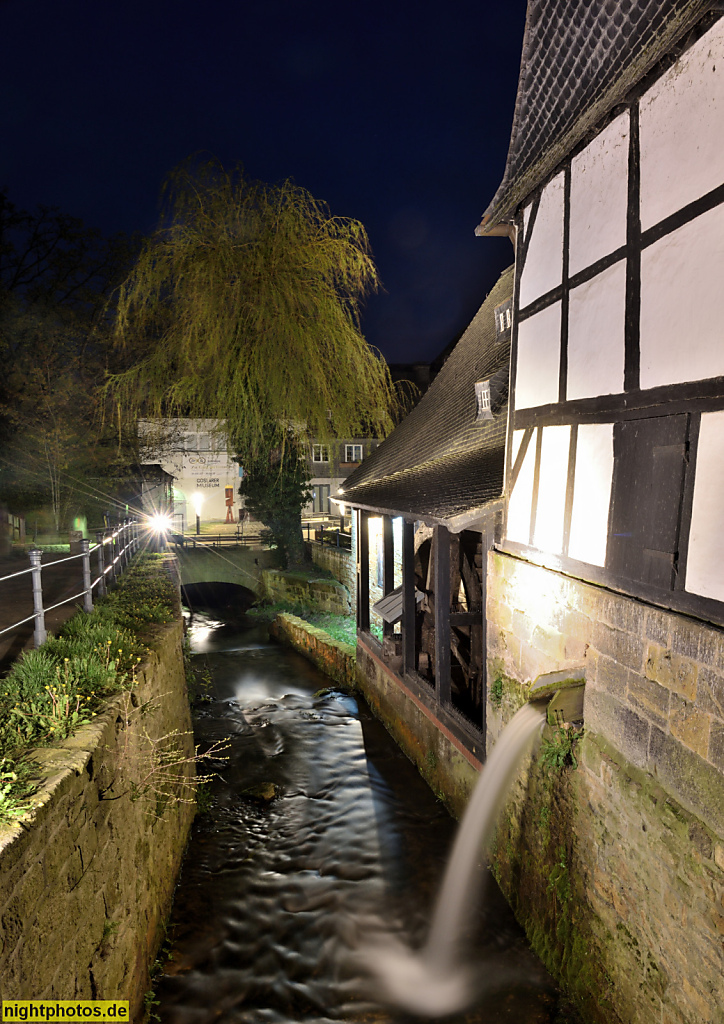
160, 522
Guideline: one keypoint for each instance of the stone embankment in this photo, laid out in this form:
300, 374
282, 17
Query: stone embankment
334, 658
319, 593
87, 878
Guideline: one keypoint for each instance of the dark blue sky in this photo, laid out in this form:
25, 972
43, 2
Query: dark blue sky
396, 113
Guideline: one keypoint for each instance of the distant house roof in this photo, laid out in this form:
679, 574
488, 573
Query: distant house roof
580, 59
443, 463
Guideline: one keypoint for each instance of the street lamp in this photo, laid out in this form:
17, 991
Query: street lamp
198, 500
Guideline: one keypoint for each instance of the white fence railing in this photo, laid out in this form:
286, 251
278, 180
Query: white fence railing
114, 550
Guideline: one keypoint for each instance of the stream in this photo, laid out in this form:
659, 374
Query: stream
319, 834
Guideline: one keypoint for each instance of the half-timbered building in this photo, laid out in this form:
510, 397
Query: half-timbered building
611, 559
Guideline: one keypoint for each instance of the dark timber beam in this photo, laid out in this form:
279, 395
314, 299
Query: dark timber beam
441, 549
409, 660
388, 566
363, 572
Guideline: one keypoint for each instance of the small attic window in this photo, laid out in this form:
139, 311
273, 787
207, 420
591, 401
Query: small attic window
503, 318
482, 399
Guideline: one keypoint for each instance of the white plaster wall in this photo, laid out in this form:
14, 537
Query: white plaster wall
705, 563
599, 196
518, 528
682, 141
596, 321
555, 445
543, 267
592, 493
682, 303
526, 219
539, 355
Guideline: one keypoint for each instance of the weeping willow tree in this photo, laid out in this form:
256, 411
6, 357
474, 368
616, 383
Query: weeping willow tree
246, 305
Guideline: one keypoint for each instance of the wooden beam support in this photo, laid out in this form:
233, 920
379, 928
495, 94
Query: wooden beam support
363, 572
388, 566
441, 554
409, 654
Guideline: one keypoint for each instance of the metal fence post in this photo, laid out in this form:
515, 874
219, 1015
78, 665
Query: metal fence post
88, 595
114, 546
100, 539
40, 634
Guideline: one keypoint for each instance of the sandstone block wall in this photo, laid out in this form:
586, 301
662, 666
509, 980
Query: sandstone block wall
335, 659
616, 868
321, 594
87, 879
342, 566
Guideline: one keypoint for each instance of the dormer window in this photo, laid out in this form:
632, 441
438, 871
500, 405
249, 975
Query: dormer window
503, 318
482, 398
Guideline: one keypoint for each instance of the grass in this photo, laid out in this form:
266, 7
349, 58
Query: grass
50, 692
342, 628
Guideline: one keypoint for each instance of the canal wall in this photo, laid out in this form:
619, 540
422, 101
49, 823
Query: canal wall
341, 564
334, 658
615, 867
87, 878
449, 768
318, 593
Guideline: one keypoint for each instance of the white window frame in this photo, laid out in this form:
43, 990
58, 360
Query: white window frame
482, 400
320, 453
353, 448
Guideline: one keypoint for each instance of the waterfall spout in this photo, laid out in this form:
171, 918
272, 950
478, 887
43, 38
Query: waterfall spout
434, 981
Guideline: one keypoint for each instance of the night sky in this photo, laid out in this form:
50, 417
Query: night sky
396, 113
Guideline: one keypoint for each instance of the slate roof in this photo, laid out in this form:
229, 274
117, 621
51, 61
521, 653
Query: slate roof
580, 59
441, 462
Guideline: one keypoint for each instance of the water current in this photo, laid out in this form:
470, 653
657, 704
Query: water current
320, 834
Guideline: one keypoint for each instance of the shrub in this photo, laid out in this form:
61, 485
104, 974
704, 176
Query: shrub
50, 692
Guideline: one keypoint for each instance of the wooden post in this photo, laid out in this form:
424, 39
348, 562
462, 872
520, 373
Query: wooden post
441, 554
388, 567
409, 611
363, 572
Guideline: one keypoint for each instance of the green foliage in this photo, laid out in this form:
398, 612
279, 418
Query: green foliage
16, 786
559, 882
496, 692
276, 488
559, 753
50, 692
60, 445
246, 300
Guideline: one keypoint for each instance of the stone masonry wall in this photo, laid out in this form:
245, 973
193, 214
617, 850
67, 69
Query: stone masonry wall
320, 593
342, 566
334, 658
616, 867
87, 878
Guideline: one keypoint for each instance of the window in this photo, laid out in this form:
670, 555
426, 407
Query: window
320, 453
503, 318
649, 465
321, 499
482, 398
353, 453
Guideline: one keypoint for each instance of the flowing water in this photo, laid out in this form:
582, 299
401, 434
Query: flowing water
320, 835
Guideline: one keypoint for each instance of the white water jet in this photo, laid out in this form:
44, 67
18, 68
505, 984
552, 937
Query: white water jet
433, 981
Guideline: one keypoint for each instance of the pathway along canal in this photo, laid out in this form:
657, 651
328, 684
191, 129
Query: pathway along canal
275, 894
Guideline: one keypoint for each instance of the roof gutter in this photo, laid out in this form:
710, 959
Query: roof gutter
455, 524
504, 229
